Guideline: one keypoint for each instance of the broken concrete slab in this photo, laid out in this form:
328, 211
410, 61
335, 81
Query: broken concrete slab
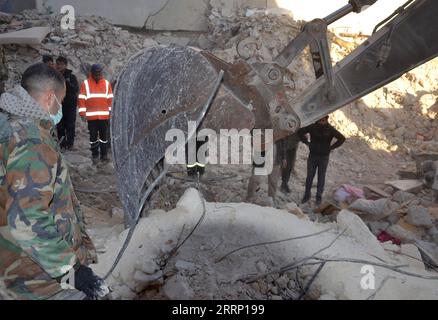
410, 185
32, 36
419, 216
358, 230
429, 252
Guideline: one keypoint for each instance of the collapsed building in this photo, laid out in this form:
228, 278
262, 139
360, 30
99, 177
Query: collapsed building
380, 212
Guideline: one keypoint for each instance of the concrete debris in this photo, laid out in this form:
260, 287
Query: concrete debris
32, 36
237, 225
406, 185
94, 40
419, 216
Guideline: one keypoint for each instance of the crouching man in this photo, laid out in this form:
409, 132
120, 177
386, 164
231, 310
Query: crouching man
42, 234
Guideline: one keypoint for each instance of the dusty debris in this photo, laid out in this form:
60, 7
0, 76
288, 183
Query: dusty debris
254, 272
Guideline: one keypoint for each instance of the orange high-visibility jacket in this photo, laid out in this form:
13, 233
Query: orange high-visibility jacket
95, 99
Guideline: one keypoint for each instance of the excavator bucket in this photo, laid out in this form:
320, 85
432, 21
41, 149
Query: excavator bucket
162, 88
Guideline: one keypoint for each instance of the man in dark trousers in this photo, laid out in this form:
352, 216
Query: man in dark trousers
321, 135
95, 102
290, 147
66, 128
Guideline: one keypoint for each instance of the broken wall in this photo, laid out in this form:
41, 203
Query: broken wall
187, 15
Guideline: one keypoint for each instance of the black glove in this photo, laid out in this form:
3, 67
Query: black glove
93, 286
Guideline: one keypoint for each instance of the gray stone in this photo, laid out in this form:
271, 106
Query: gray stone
282, 282
402, 196
378, 226
419, 216
274, 290
189, 267
204, 42
261, 267
177, 288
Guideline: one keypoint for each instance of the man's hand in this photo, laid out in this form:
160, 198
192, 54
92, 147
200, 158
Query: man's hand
93, 286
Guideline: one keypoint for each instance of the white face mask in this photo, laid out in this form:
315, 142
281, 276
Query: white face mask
57, 117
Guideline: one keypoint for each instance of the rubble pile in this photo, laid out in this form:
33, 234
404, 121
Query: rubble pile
243, 251
94, 40
391, 119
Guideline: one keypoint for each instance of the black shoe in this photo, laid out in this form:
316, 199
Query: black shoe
285, 188
306, 199
104, 158
95, 160
318, 202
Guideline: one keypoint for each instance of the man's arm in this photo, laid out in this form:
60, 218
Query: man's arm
340, 139
74, 85
302, 134
110, 96
82, 101
30, 181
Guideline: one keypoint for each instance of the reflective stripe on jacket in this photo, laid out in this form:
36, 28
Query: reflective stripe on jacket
95, 99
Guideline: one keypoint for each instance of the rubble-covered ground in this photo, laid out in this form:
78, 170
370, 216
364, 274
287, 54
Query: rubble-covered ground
384, 130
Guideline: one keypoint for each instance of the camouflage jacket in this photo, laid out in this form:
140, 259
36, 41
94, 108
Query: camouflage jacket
42, 234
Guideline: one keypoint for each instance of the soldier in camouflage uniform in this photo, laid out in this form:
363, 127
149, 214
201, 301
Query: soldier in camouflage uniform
42, 234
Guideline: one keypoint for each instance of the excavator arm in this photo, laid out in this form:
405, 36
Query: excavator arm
164, 87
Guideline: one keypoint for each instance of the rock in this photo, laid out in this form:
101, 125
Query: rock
189, 267
404, 231
261, 267
149, 43
282, 282
204, 42
276, 297
177, 288
402, 196
86, 38
377, 227
419, 216
357, 229
274, 290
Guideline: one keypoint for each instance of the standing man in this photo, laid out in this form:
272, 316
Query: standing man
42, 233
48, 60
290, 147
95, 101
321, 135
66, 128
255, 181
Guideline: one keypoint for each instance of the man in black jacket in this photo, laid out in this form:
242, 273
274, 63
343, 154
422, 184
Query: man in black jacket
66, 128
321, 135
